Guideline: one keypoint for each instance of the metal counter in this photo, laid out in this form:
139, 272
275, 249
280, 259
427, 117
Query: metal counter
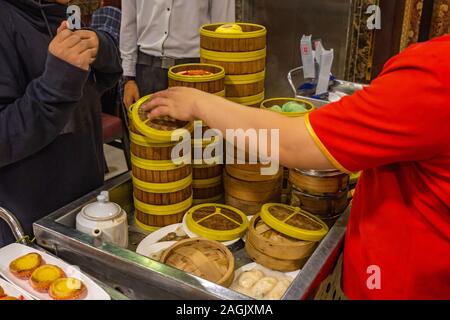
138, 277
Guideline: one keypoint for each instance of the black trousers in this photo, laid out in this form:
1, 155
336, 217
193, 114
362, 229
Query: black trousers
151, 77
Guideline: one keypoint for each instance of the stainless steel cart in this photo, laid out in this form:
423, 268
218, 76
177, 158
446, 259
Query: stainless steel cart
139, 277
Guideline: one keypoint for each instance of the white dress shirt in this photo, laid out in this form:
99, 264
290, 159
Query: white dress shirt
168, 28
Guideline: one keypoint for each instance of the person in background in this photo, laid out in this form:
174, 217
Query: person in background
51, 81
107, 18
397, 244
158, 34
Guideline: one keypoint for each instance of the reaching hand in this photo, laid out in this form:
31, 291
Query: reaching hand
179, 103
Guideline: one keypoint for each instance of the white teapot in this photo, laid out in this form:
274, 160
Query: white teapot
105, 220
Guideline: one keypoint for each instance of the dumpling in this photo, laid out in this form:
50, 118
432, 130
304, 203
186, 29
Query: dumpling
279, 290
263, 286
249, 278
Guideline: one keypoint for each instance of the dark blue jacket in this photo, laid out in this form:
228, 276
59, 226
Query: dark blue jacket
51, 149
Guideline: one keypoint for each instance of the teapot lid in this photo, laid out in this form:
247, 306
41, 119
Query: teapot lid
102, 209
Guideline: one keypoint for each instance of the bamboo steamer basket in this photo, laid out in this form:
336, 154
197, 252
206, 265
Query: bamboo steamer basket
267, 104
267, 261
253, 37
217, 199
261, 191
205, 189
324, 207
323, 182
206, 259
152, 217
250, 208
159, 130
249, 101
236, 63
159, 171
250, 172
144, 148
275, 244
213, 83
206, 171
244, 85
163, 193
217, 222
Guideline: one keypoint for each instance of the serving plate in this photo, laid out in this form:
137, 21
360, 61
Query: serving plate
13, 291
15, 250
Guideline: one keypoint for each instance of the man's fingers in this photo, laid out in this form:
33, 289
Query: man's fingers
159, 112
156, 102
62, 26
85, 34
63, 35
71, 41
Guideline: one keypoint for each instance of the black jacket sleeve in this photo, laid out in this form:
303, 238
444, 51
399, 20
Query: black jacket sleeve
107, 66
32, 119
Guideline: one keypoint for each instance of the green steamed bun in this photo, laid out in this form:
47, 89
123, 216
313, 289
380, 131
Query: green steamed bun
293, 106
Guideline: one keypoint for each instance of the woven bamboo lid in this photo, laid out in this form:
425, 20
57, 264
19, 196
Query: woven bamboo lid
217, 221
207, 259
159, 129
293, 222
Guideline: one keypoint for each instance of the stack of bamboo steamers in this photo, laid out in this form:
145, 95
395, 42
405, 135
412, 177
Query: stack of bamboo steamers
207, 176
162, 187
243, 56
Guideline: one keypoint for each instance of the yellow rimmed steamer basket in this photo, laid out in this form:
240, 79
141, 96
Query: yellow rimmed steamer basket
282, 237
267, 104
242, 55
162, 186
212, 83
217, 222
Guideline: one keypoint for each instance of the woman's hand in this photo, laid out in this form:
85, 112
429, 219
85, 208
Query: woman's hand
179, 103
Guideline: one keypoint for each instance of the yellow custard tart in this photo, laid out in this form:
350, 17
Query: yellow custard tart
67, 289
2, 292
24, 266
42, 277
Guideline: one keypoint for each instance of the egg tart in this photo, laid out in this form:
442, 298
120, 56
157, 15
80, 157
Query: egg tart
24, 266
8, 298
67, 289
42, 277
2, 292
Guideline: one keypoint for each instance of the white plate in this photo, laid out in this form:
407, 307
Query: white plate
148, 250
13, 291
194, 235
157, 235
267, 271
15, 250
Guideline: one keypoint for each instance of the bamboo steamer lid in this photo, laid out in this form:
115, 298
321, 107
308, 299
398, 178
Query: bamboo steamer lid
159, 129
217, 222
293, 222
267, 104
276, 244
204, 258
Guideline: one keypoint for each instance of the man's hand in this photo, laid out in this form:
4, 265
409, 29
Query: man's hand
179, 103
91, 39
131, 93
78, 48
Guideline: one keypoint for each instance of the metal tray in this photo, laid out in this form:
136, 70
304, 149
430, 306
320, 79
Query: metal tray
138, 277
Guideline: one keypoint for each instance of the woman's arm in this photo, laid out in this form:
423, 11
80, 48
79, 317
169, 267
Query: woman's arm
297, 147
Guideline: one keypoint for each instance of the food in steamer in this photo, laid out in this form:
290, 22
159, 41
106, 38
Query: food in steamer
195, 73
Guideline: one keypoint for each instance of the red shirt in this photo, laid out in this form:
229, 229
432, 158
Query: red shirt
398, 132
